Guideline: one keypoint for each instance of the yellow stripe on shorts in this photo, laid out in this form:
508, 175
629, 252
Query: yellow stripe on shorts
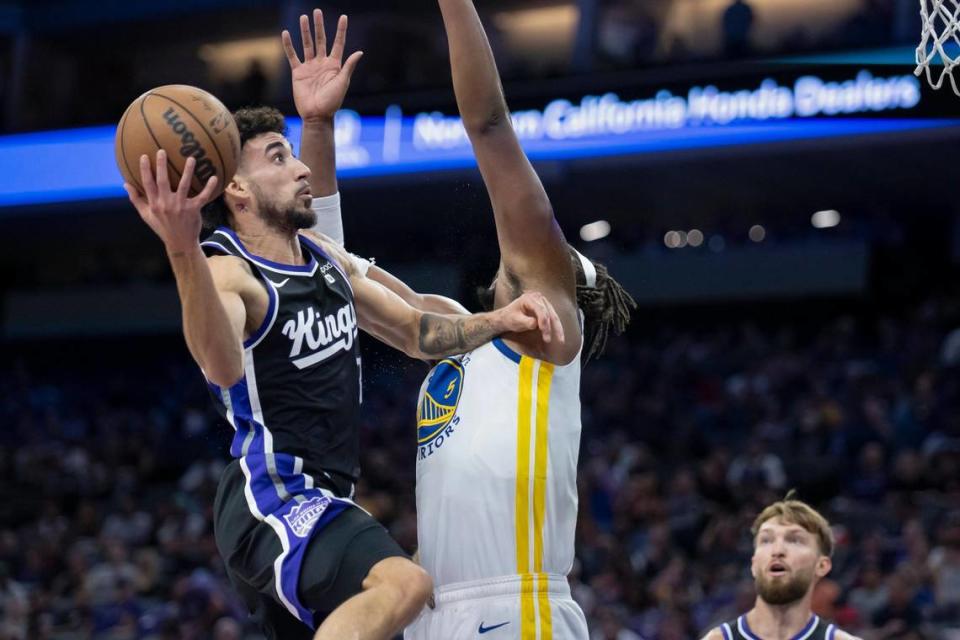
544, 379
528, 620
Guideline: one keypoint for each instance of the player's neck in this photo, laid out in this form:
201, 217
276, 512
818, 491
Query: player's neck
276, 246
779, 622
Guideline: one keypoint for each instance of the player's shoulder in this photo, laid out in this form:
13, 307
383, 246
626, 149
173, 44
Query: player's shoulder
230, 272
843, 635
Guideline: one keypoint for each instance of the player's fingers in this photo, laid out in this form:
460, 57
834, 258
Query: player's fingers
139, 203
543, 318
209, 189
163, 177
136, 199
288, 49
183, 189
340, 40
146, 178
556, 327
351, 64
309, 52
320, 32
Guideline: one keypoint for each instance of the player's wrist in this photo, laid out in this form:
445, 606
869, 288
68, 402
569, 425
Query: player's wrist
321, 121
183, 251
498, 320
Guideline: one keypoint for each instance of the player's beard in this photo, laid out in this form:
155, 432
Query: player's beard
288, 218
780, 591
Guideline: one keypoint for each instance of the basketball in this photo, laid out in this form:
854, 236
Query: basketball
184, 121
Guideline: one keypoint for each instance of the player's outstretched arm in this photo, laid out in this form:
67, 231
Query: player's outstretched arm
320, 82
213, 312
429, 336
532, 246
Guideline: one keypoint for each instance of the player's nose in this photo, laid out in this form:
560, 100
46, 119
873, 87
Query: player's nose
303, 171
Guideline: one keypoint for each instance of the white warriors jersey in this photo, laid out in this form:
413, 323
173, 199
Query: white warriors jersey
498, 441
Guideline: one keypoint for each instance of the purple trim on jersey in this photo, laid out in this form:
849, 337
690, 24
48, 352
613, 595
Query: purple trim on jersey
831, 632
807, 629
268, 319
244, 422
725, 630
270, 264
296, 483
291, 566
213, 244
745, 628
505, 350
261, 484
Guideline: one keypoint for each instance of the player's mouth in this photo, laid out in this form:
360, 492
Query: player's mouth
777, 569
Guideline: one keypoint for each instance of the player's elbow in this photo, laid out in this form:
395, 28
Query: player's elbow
223, 374
486, 123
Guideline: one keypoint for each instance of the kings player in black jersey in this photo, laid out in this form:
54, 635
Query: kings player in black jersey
792, 547
271, 317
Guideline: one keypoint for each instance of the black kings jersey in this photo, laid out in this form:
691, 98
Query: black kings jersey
815, 629
296, 410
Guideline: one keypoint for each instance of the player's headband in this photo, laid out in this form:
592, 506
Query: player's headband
589, 271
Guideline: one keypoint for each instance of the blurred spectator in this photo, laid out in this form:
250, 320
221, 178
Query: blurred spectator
14, 605
756, 468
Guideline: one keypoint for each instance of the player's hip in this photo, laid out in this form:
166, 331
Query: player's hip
518, 606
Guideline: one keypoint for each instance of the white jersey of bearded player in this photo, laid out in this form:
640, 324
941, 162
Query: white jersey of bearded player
498, 441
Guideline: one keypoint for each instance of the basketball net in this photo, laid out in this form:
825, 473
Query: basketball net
939, 39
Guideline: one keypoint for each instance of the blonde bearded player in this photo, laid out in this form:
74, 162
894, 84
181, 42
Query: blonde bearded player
792, 548
499, 427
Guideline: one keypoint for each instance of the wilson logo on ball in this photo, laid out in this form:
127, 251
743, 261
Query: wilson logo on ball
190, 146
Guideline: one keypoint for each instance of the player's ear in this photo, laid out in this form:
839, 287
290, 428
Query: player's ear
824, 565
238, 192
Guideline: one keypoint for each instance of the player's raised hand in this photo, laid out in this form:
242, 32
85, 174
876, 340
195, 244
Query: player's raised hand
533, 312
321, 79
172, 214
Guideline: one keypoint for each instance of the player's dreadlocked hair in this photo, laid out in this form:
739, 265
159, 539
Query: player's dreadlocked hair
606, 305
251, 122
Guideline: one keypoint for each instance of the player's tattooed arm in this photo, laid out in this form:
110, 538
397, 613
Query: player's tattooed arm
428, 336
446, 335
441, 335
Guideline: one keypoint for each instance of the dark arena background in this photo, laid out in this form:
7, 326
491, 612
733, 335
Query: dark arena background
768, 178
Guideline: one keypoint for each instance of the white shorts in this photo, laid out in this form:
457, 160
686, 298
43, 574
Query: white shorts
492, 609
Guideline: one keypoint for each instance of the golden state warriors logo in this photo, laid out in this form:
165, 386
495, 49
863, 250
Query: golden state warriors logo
438, 406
